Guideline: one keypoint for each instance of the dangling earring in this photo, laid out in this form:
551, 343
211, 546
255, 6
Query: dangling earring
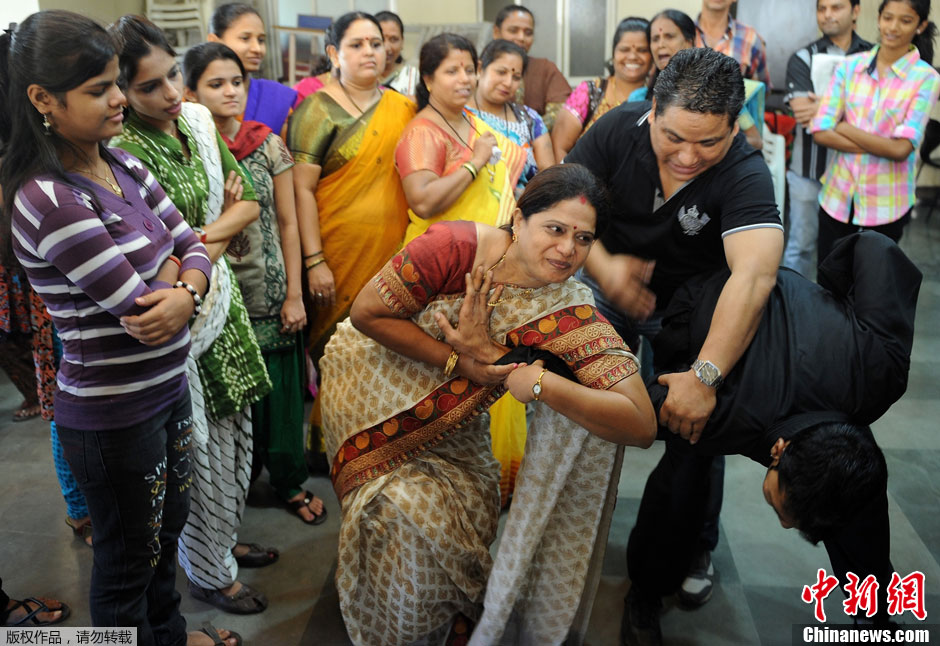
47, 124
513, 234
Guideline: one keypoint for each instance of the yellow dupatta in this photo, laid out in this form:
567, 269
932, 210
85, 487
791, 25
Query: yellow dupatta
362, 210
489, 199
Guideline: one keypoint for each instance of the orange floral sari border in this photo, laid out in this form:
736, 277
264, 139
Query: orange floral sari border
348, 475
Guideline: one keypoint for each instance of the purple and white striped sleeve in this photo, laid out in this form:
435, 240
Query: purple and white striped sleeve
73, 239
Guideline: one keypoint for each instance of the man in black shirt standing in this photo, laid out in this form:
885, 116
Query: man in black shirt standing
689, 197
836, 20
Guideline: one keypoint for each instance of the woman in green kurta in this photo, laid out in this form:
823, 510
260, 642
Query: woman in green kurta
266, 259
179, 144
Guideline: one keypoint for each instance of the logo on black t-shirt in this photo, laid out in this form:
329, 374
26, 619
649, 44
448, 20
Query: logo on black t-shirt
691, 221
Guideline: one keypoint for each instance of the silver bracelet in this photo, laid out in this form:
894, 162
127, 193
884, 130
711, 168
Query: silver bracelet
197, 299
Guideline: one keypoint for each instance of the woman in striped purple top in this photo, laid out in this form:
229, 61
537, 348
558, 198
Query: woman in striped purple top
121, 274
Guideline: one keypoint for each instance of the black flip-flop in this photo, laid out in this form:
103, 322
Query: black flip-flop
257, 556
210, 630
297, 505
31, 618
247, 601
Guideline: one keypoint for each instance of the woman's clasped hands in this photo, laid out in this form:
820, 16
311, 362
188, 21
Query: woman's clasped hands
471, 335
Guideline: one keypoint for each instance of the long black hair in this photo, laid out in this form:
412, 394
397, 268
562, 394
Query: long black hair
198, 58
57, 50
135, 36
433, 54
924, 42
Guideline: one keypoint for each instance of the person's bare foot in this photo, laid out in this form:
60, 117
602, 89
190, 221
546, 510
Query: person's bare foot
27, 410
57, 611
199, 638
311, 510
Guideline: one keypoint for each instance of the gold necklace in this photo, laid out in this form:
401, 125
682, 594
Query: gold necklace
348, 96
115, 188
489, 170
526, 292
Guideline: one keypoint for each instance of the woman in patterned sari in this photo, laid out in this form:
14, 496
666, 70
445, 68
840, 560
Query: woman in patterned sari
179, 144
351, 211
403, 389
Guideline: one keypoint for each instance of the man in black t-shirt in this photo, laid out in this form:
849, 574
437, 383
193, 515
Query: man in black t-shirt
690, 196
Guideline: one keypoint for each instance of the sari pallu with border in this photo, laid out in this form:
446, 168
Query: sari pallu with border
490, 198
362, 209
385, 414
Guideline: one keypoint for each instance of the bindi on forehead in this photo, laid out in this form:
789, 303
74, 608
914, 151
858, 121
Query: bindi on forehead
583, 199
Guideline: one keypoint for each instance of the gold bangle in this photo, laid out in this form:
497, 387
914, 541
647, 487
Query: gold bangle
314, 264
451, 363
471, 169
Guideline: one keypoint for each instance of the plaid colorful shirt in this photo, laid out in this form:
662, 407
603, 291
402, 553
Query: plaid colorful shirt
896, 107
743, 44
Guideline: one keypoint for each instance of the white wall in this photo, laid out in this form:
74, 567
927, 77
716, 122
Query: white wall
16, 11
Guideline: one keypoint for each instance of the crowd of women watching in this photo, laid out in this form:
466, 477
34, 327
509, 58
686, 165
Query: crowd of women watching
200, 241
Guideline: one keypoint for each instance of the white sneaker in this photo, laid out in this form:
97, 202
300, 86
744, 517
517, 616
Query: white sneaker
697, 587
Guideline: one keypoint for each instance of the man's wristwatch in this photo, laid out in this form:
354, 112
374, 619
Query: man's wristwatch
708, 373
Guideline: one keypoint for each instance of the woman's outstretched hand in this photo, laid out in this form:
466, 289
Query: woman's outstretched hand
471, 336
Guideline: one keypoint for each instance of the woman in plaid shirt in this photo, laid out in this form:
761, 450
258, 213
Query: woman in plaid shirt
873, 116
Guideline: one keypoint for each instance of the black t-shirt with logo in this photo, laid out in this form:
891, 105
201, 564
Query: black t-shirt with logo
684, 234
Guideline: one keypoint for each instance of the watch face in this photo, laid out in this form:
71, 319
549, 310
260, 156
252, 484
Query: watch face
709, 372
537, 389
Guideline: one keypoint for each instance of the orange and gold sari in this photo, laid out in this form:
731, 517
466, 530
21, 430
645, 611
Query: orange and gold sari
489, 198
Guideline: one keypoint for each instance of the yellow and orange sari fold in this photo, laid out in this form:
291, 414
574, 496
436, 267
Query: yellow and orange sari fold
362, 210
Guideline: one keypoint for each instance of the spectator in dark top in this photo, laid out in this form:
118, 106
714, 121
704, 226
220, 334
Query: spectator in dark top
544, 88
807, 420
836, 20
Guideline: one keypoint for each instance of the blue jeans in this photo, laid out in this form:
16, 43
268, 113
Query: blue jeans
136, 481
802, 224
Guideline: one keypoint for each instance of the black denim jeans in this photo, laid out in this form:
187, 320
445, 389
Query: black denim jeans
136, 481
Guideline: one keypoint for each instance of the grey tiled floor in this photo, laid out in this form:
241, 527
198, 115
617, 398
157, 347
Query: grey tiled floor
762, 568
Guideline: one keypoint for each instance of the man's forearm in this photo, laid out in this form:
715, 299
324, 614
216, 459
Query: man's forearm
736, 318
